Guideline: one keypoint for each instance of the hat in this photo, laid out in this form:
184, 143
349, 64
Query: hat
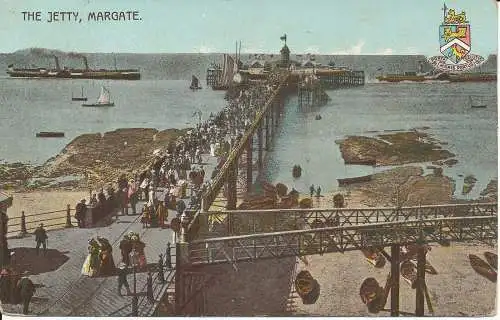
122, 265
83, 200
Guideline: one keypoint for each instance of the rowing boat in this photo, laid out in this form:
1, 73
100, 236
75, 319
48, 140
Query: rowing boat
483, 268
492, 259
347, 181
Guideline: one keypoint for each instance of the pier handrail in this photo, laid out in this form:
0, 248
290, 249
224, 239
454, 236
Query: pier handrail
39, 214
238, 149
19, 224
447, 205
368, 226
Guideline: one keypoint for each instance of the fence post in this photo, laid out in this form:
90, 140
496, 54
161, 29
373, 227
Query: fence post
23, 225
68, 217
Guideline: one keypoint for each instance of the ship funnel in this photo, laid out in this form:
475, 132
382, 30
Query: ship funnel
85, 62
57, 63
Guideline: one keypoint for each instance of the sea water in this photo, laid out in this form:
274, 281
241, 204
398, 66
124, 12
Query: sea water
443, 108
28, 106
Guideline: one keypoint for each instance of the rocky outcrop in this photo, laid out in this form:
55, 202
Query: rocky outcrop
392, 149
104, 157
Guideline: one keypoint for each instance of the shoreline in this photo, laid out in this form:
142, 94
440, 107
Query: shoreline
415, 187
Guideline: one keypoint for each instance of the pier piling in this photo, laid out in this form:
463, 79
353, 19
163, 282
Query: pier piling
267, 132
249, 165
419, 297
259, 138
232, 175
395, 249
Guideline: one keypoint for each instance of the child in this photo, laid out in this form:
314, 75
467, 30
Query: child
145, 216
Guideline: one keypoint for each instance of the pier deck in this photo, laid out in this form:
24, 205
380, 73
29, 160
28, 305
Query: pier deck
61, 288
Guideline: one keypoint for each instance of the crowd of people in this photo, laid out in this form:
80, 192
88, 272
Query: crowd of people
179, 167
175, 170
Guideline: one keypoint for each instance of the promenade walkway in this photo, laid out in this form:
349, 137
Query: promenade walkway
61, 288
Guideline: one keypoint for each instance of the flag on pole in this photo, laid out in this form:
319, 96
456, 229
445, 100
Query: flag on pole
283, 37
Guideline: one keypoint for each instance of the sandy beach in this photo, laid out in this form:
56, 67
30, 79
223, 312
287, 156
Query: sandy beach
38, 202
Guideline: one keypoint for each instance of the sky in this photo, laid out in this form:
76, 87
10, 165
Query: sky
203, 26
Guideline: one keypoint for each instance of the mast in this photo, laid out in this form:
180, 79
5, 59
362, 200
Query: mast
239, 54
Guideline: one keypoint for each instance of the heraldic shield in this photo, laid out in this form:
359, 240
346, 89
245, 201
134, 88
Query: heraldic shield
454, 40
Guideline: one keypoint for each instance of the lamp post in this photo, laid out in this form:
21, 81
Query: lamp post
134, 260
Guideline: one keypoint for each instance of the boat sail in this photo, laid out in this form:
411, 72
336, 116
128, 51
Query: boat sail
82, 98
229, 69
194, 83
104, 99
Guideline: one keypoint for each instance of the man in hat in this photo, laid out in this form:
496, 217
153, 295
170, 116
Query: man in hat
149, 288
80, 210
4, 286
26, 290
41, 238
122, 278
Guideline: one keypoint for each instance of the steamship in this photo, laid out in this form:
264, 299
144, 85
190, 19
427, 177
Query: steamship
86, 73
438, 76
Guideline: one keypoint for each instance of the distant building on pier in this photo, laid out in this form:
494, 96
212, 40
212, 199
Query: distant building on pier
285, 56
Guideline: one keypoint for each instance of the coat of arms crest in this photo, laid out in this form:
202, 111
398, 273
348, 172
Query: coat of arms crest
455, 43
454, 35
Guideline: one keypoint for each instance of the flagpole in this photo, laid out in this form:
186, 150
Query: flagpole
444, 12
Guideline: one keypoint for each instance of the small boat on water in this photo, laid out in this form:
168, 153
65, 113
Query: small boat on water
374, 257
50, 134
307, 287
483, 268
409, 273
492, 259
82, 98
104, 99
347, 181
373, 295
366, 162
296, 171
195, 83
476, 105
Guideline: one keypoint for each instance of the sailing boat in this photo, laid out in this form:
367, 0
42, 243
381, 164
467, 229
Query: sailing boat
229, 69
194, 83
472, 105
104, 99
82, 98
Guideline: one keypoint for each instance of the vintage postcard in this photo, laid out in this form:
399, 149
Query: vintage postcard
248, 158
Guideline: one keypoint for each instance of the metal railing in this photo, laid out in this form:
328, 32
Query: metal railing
52, 220
343, 238
241, 222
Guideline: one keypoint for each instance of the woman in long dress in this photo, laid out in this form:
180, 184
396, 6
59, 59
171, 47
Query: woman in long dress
139, 246
107, 264
91, 264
